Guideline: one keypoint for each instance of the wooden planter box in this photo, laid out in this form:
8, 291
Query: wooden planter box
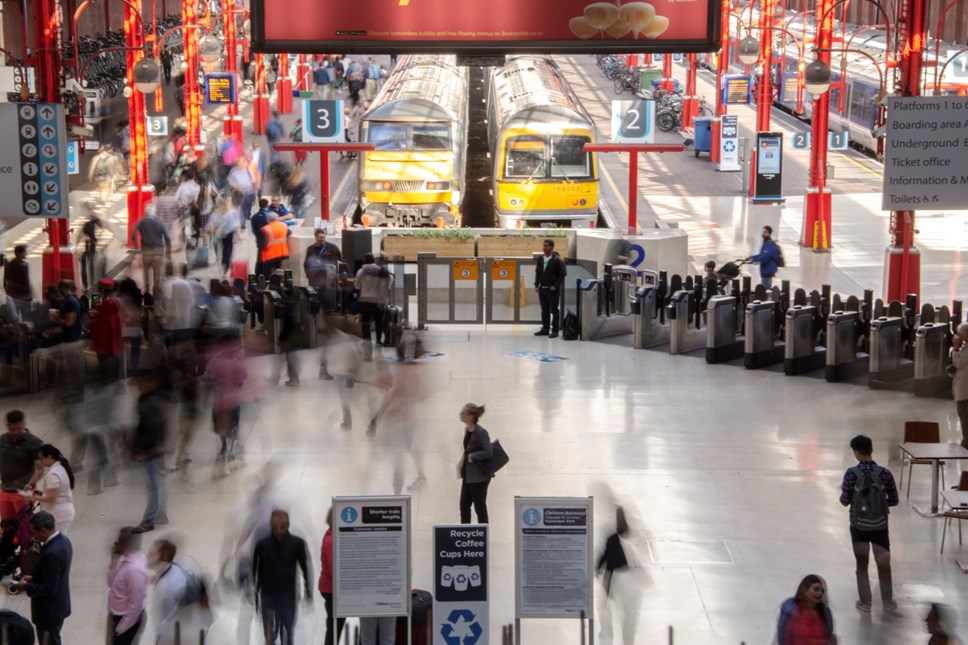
410, 245
512, 246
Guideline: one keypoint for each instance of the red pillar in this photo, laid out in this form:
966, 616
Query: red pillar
140, 192
260, 113
284, 86
817, 218
722, 68
690, 105
193, 96
764, 87
902, 268
58, 261
303, 74
667, 82
232, 127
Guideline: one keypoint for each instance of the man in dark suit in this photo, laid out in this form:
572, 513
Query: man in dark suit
49, 588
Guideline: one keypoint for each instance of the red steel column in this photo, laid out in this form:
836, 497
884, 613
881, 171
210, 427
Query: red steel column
260, 113
140, 192
303, 74
690, 105
193, 95
817, 218
58, 261
764, 87
902, 268
232, 127
284, 86
667, 82
722, 68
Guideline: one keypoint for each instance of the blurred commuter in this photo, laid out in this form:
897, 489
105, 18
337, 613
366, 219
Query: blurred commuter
768, 258
130, 300
869, 490
290, 351
104, 172
474, 474
276, 244
180, 604
378, 631
243, 187
276, 206
274, 577
18, 467
208, 198
226, 375
275, 132
127, 588
102, 417
166, 61
343, 359
373, 282
321, 80
54, 491
155, 247
296, 136
959, 382
16, 282
322, 269
92, 265
404, 394
258, 223
805, 619
258, 166
187, 197
225, 229
18, 629
549, 278
326, 582
623, 590
942, 624
106, 330
296, 187
148, 448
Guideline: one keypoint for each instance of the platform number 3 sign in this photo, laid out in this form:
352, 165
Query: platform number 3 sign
633, 121
323, 121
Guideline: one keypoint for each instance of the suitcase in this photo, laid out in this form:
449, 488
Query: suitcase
421, 612
240, 270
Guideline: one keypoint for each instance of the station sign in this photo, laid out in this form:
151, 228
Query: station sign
465, 270
633, 121
33, 173
323, 121
157, 126
461, 584
12, 79
73, 167
220, 88
769, 167
728, 143
738, 89
836, 140
555, 530
503, 270
926, 156
499, 27
371, 556
790, 88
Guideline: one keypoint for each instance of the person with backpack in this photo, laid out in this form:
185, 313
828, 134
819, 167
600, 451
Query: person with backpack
180, 597
549, 278
769, 258
104, 171
869, 489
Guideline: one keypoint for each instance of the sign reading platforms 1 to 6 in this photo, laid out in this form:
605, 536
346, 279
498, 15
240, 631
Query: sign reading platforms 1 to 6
460, 585
554, 560
371, 555
926, 163
633, 121
324, 121
34, 171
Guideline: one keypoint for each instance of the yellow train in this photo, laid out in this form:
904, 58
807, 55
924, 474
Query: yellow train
418, 125
537, 128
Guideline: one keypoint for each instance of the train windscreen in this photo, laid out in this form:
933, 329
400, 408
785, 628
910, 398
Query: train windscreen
553, 157
413, 137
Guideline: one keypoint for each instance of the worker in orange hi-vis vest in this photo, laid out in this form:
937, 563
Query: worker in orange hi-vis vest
276, 248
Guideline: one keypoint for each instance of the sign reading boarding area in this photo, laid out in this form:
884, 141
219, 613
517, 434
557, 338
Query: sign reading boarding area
633, 121
497, 27
371, 556
460, 584
33, 172
220, 89
553, 557
926, 161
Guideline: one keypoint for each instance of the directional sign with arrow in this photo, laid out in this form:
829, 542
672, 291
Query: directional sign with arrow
33, 173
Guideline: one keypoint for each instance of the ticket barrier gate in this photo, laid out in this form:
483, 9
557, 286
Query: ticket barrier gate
888, 367
845, 357
931, 342
801, 352
650, 327
724, 339
307, 306
606, 305
687, 321
273, 313
761, 345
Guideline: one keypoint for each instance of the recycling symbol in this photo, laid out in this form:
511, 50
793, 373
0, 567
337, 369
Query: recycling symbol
461, 628
729, 145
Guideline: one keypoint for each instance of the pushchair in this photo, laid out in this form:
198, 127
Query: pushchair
17, 550
727, 273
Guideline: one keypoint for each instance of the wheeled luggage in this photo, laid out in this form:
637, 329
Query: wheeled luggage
392, 326
421, 621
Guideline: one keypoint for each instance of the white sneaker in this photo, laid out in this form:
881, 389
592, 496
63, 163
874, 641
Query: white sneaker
864, 607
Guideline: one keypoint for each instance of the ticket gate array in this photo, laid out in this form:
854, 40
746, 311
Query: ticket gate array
764, 343
687, 320
805, 345
605, 305
650, 327
848, 339
726, 322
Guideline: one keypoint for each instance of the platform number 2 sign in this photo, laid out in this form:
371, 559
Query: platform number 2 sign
633, 121
324, 121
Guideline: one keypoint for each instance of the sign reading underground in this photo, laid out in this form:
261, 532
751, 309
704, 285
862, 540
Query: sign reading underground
460, 585
34, 170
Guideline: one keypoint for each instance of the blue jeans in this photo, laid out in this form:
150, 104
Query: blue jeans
766, 281
549, 308
157, 497
278, 618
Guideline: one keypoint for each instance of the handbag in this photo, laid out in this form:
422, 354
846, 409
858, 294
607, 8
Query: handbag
499, 458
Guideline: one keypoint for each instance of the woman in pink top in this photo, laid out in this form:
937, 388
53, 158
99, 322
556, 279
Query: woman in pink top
55, 495
326, 580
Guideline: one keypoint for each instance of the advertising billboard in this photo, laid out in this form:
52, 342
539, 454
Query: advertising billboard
496, 26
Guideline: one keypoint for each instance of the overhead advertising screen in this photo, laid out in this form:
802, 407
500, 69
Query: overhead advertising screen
496, 26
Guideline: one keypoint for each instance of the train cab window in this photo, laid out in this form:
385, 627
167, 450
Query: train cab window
387, 136
431, 137
525, 158
568, 157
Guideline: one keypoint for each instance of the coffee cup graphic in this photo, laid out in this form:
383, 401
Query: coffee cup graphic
474, 576
461, 575
446, 576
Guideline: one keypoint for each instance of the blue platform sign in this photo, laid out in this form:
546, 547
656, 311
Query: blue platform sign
72, 153
220, 88
323, 121
33, 167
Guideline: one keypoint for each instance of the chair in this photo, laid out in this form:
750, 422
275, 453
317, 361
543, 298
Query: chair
921, 432
955, 513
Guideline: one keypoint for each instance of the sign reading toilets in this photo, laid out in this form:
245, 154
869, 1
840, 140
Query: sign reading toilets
460, 584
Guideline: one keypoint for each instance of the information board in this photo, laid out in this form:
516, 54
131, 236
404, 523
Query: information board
220, 88
461, 584
926, 157
791, 87
371, 556
554, 565
729, 143
633, 121
738, 89
33, 173
769, 167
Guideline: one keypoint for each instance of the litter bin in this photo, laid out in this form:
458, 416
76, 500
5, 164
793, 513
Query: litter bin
648, 76
658, 78
703, 139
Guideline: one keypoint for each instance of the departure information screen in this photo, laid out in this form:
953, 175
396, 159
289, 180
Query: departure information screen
738, 90
219, 89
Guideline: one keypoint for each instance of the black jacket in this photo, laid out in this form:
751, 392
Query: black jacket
149, 436
551, 276
274, 566
50, 589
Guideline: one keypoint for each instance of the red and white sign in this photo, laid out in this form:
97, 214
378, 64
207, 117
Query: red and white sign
495, 26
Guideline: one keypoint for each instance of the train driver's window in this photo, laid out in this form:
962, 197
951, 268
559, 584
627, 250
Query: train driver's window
387, 136
525, 158
568, 157
431, 137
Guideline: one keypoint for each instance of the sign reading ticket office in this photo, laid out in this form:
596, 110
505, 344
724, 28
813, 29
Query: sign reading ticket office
371, 556
553, 551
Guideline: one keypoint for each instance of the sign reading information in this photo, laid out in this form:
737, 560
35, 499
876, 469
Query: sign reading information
33, 171
553, 551
460, 584
926, 161
371, 555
